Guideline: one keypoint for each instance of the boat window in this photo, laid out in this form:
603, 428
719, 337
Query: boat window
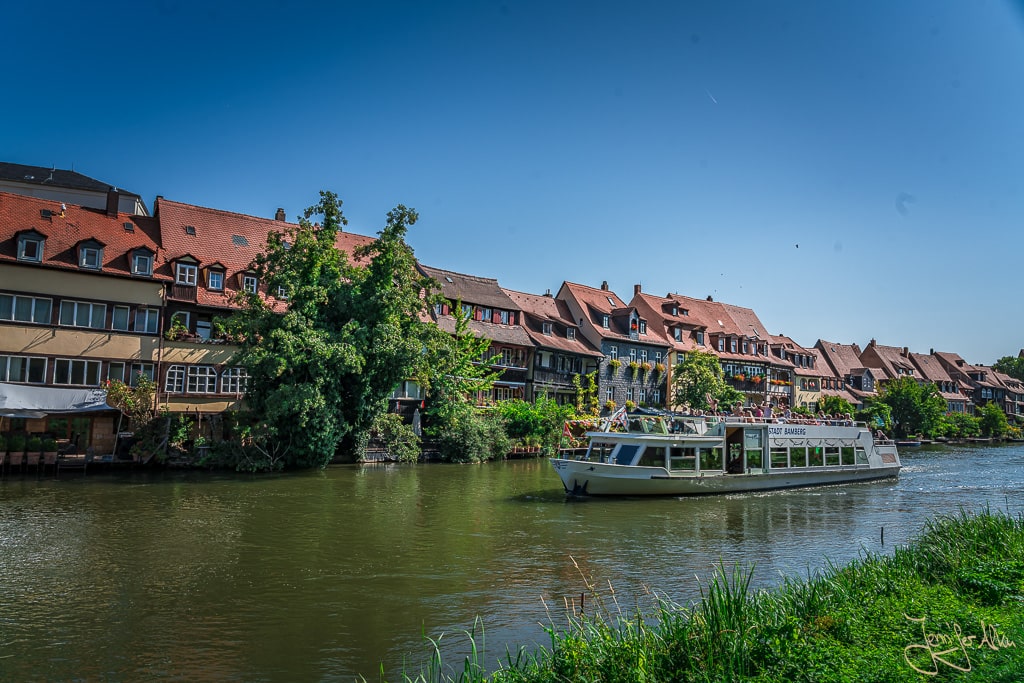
831, 455
654, 456
752, 438
847, 455
779, 457
711, 459
755, 458
815, 456
600, 452
683, 459
798, 457
861, 456
626, 454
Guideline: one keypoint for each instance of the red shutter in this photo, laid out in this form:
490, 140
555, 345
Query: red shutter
496, 317
477, 314
444, 309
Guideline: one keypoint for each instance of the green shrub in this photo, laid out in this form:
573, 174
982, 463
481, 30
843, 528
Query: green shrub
397, 437
34, 445
49, 445
16, 444
471, 436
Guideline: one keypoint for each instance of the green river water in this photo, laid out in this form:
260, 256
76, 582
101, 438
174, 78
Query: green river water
330, 575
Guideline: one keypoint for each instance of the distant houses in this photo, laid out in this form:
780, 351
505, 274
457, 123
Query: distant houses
93, 288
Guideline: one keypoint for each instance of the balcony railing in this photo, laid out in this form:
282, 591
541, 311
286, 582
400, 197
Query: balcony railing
182, 292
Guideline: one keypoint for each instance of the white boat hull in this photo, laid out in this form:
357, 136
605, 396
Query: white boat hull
601, 479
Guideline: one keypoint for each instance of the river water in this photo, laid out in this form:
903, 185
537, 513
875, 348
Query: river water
331, 575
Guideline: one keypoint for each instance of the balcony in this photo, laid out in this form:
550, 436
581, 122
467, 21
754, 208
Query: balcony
553, 377
182, 292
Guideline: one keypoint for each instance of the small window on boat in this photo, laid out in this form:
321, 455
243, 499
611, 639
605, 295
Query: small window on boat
798, 457
847, 456
625, 454
654, 456
779, 457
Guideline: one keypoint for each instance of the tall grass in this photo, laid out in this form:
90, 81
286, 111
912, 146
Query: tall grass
857, 622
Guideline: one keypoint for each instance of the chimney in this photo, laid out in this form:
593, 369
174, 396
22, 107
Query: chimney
871, 343
906, 352
636, 289
279, 216
709, 298
604, 285
113, 201
931, 352
548, 292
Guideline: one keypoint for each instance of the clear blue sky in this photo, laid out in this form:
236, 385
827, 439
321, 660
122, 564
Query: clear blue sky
687, 146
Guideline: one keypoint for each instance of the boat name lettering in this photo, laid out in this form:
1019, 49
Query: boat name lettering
787, 431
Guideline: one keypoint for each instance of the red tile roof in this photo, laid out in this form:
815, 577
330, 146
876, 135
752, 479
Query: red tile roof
66, 228
537, 310
213, 236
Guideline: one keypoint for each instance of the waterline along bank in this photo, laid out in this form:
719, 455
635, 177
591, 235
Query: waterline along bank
948, 605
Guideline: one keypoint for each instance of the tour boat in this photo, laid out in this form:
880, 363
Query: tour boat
672, 455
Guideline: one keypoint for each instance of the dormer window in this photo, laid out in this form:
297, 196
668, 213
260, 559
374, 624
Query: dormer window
643, 327
570, 333
249, 283
721, 343
675, 310
90, 255
604, 321
700, 338
30, 246
282, 293
678, 334
142, 263
732, 345
185, 274
215, 280
546, 328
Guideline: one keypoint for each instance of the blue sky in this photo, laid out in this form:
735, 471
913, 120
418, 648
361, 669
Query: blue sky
686, 146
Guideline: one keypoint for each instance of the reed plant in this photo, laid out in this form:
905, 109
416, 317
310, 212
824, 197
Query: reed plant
948, 606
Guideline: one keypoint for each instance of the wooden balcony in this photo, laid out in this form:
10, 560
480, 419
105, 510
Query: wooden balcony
182, 292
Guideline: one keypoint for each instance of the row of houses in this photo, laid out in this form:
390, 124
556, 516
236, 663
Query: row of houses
93, 288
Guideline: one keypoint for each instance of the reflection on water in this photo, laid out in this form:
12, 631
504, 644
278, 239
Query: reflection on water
323, 576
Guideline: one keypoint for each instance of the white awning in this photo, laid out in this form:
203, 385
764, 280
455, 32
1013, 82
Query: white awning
20, 400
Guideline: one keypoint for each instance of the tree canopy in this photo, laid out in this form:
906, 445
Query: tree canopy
916, 408
696, 379
1010, 365
352, 328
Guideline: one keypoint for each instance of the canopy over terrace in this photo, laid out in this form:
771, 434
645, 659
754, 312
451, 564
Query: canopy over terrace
19, 400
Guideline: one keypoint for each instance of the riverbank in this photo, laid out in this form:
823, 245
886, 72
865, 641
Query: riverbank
947, 606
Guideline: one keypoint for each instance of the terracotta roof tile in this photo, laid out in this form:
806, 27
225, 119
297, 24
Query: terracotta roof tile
78, 224
537, 310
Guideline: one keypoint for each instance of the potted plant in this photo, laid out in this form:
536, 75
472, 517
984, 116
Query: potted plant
49, 451
630, 406
634, 368
646, 368
177, 331
756, 379
16, 450
739, 377
609, 405
659, 368
614, 364
33, 448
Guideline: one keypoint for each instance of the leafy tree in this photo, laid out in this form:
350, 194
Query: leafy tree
698, 377
876, 413
456, 369
540, 422
134, 402
992, 421
1010, 365
831, 405
397, 437
916, 408
470, 435
959, 426
321, 371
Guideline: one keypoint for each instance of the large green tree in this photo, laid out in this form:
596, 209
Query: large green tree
1010, 365
352, 327
992, 420
916, 408
698, 378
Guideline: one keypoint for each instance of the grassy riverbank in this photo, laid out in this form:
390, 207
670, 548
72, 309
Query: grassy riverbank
948, 607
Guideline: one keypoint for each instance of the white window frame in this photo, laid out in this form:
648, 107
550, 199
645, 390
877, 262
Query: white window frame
76, 308
142, 264
570, 333
147, 369
34, 312
90, 257
700, 338
250, 283
174, 380
643, 355
147, 320
186, 274
113, 376
613, 352
65, 369
505, 318
282, 293
234, 381
37, 247
643, 327
605, 321
219, 285
547, 328
632, 355
204, 329
126, 310
27, 362
202, 379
